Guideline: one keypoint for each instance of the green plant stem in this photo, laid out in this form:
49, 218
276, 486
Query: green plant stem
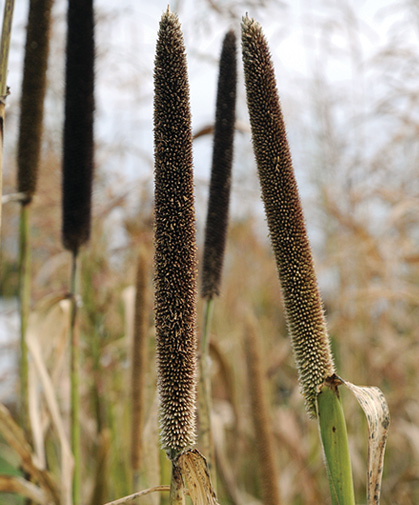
334, 438
74, 374
24, 308
4, 60
205, 431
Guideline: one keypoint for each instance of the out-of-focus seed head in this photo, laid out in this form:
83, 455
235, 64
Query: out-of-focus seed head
304, 311
78, 125
175, 246
33, 94
219, 197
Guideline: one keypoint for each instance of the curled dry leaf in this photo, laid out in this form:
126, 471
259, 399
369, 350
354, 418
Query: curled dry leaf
374, 405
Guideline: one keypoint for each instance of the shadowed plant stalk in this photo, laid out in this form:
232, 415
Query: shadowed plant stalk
78, 162
28, 156
303, 306
264, 438
138, 369
216, 225
4, 60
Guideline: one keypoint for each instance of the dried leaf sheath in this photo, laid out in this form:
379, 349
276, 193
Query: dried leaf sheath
305, 317
33, 94
175, 247
78, 125
217, 217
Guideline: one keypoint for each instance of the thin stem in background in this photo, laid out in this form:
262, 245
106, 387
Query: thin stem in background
265, 443
4, 60
138, 370
74, 379
205, 431
24, 308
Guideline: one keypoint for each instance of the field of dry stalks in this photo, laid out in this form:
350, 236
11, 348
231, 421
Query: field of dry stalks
355, 146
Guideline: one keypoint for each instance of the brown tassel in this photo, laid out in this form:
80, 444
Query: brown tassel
175, 247
33, 94
219, 197
78, 125
304, 311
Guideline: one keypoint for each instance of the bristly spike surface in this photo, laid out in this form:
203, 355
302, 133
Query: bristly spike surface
175, 242
303, 306
219, 197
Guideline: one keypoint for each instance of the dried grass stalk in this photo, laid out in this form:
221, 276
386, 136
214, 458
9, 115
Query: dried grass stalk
138, 366
175, 247
4, 59
304, 311
265, 442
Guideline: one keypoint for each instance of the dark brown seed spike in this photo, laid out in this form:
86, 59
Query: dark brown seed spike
78, 125
175, 246
33, 94
284, 213
219, 198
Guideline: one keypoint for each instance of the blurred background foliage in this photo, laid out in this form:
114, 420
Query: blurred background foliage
348, 78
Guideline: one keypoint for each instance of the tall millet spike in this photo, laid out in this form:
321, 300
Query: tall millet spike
303, 306
219, 196
175, 246
78, 125
33, 94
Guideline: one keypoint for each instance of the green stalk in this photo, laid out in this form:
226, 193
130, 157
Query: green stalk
74, 378
205, 432
332, 427
24, 307
4, 59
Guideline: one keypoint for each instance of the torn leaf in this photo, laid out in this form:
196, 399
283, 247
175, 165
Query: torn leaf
194, 469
